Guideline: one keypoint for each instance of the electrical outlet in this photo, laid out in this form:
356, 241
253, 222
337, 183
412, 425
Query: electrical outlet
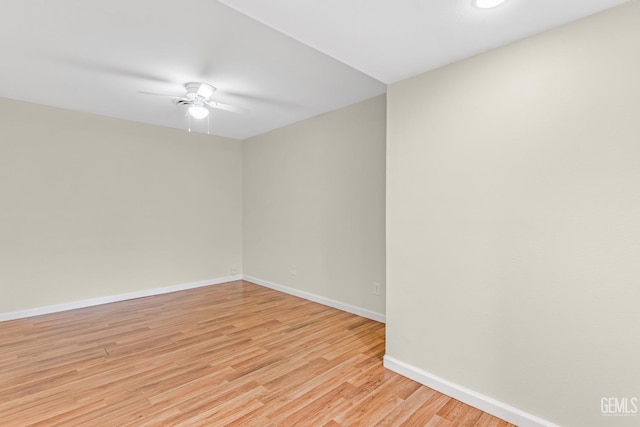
377, 288
293, 270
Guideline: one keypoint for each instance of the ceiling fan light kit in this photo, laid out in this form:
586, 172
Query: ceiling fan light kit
197, 98
198, 101
198, 112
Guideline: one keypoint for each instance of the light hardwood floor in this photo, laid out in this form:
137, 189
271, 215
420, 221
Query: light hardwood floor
230, 354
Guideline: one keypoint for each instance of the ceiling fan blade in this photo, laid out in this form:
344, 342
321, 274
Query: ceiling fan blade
226, 107
104, 67
158, 94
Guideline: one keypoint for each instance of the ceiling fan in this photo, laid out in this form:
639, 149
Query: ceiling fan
198, 99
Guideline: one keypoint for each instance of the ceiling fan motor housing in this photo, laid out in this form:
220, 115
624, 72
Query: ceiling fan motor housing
202, 90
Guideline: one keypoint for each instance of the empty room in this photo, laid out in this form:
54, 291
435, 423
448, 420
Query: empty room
320, 213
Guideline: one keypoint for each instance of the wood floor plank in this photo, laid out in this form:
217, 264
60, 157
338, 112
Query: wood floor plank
234, 354
427, 411
400, 414
459, 414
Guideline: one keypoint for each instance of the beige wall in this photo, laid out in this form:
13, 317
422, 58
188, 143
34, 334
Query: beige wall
513, 221
94, 207
314, 199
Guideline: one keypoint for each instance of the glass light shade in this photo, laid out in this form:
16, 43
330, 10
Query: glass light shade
198, 112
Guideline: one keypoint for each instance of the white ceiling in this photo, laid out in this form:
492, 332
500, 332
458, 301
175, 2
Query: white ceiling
391, 40
95, 56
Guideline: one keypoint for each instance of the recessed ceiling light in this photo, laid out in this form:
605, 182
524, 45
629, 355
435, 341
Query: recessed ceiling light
487, 4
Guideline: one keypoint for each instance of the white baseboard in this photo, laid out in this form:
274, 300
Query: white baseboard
319, 299
113, 298
470, 397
